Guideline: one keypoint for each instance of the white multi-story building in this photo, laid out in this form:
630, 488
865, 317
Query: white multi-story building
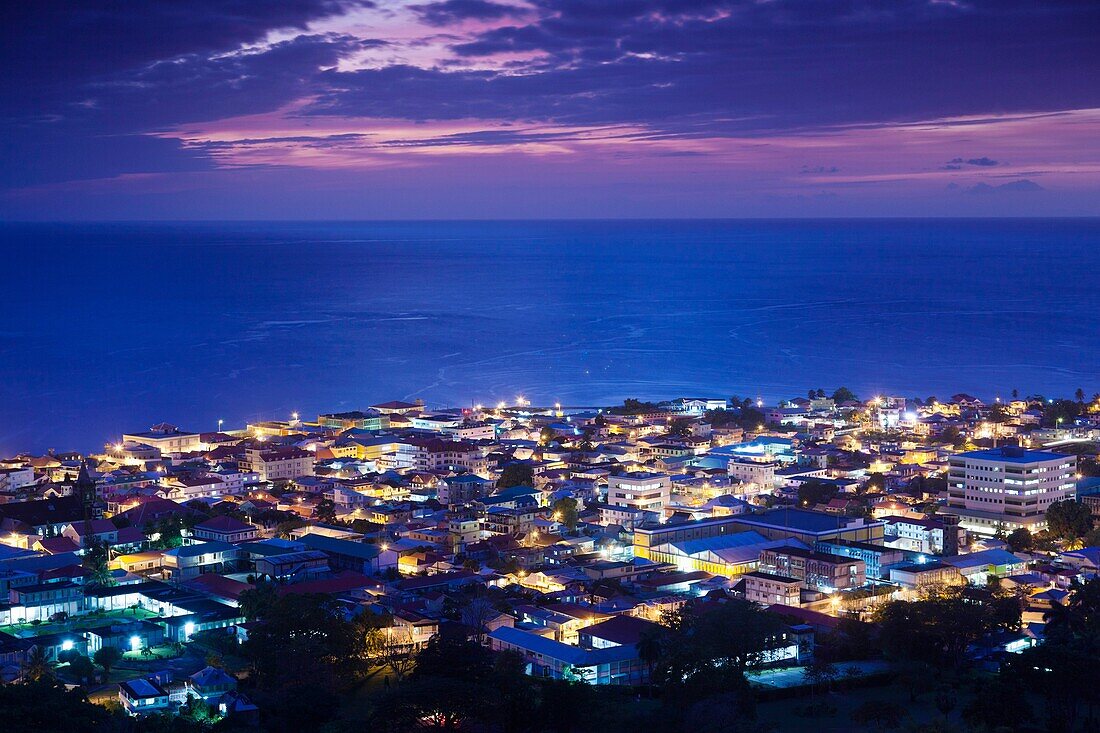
643, 490
168, 439
276, 463
1008, 488
758, 474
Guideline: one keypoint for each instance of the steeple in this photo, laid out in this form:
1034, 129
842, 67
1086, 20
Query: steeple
85, 486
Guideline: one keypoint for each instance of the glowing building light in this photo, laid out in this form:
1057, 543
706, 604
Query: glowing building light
135, 643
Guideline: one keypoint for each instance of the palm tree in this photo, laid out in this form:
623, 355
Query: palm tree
38, 666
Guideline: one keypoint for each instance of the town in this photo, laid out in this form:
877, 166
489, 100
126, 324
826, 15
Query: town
832, 561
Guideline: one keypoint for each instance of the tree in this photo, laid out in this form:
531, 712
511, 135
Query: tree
634, 406
107, 657
283, 529
813, 492
96, 557
1069, 519
945, 701
256, 602
1060, 412
820, 672
38, 666
936, 630
1020, 540
843, 394
516, 474
680, 427
451, 688
387, 645
46, 705
81, 667
325, 511
1001, 704
565, 511
651, 648
303, 637
882, 714
709, 647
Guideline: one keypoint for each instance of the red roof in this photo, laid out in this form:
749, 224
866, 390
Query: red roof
57, 545
219, 585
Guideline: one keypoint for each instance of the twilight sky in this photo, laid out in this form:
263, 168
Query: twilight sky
304, 109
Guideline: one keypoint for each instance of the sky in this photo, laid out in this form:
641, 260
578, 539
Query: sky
456, 109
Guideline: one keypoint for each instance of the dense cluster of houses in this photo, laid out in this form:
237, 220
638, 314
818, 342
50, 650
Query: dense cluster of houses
562, 534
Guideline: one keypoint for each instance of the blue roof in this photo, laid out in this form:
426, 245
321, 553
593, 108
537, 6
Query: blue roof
337, 546
721, 542
573, 655
1013, 455
985, 557
515, 491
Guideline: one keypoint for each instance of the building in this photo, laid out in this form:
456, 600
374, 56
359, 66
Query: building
915, 535
437, 454
144, 695
747, 471
809, 526
397, 407
920, 576
643, 490
611, 665
167, 439
351, 555
978, 567
1008, 488
225, 529
358, 419
729, 555
770, 589
816, 570
270, 464
188, 561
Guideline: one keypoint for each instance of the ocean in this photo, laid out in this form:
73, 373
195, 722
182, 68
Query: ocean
106, 328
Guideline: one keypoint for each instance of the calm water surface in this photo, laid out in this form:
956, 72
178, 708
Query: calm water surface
112, 327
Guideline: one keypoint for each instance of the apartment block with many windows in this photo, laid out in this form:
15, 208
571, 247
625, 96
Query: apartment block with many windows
1008, 488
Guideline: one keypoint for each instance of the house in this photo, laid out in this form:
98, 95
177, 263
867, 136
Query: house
293, 566
619, 630
543, 657
225, 529
132, 636
41, 517
145, 695
210, 684
191, 560
350, 554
